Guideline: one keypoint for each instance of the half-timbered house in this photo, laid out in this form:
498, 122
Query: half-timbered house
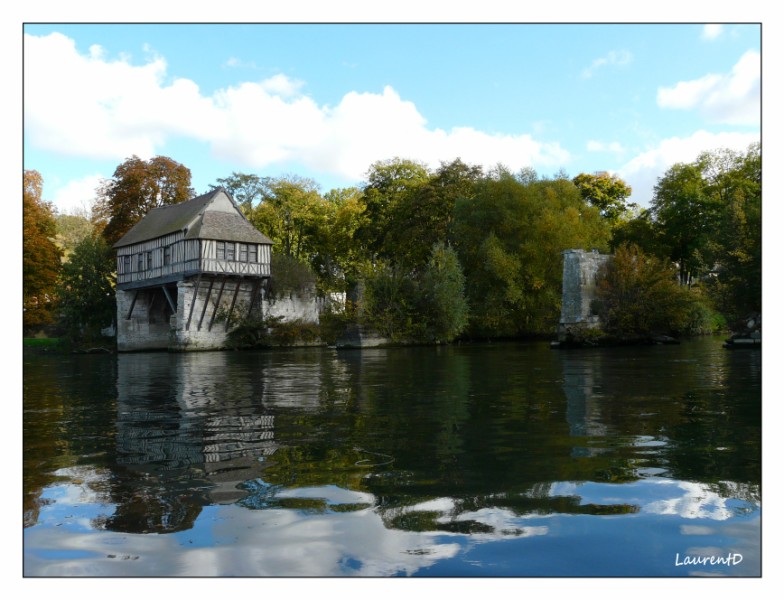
185, 271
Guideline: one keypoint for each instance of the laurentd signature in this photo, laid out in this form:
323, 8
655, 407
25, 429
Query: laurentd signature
731, 559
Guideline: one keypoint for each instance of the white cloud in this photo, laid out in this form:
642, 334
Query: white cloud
615, 58
90, 106
77, 196
712, 31
731, 98
280, 85
597, 146
642, 172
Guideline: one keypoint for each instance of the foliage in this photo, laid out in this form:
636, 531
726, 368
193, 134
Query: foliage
137, 187
509, 237
737, 245
339, 257
638, 296
71, 229
606, 192
40, 255
295, 332
707, 217
444, 305
245, 188
288, 214
88, 302
387, 183
289, 276
426, 307
685, 215
335, 319
264, 332
419, 216
389, 302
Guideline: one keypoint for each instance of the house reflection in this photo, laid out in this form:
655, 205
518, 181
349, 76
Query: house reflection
190, 430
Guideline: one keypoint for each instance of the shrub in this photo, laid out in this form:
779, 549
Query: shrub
639, 296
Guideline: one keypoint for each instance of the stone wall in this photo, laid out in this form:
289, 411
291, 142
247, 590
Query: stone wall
146, 329
580, 269
292, 307
162, 330
207, 329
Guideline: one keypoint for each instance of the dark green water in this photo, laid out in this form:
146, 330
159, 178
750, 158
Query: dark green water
491, 460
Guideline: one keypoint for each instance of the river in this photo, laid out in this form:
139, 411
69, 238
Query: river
468, 460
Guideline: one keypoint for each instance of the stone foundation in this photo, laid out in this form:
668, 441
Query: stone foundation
149, 327
199, 322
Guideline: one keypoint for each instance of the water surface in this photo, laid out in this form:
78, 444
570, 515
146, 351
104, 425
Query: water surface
486, 460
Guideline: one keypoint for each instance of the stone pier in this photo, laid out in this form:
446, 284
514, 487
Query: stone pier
580, 270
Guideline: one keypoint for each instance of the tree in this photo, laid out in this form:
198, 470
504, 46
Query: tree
339, 257
420, 218
88, 302
289, 215
137, 187
637, 296
444, 304
40, 255
424, 307
71, 229
734, 179
245, 188
606, 192
685, 215
387, 183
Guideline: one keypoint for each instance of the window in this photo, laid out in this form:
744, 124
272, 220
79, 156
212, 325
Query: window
127, 263
253, 253
140, 262
243, 252
167, 255
221, 251
149, 260
229, 251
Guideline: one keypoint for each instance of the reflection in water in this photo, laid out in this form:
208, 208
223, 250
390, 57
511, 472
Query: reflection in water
427, 461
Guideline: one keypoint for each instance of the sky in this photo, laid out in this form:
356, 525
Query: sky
326, 101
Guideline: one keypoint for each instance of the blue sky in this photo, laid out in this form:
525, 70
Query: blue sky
325, 101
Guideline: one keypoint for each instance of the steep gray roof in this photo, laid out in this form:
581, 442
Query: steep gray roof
225, 226
202, 223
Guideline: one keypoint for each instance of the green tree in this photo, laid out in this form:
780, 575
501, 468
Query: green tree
40, 254
289, 215
71, 229
734, 179
638, 296
420, 216
88, 302
686, 216
246, 189
443, 301
137, 187
339, 257
606, 192
387, 183
424, 307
